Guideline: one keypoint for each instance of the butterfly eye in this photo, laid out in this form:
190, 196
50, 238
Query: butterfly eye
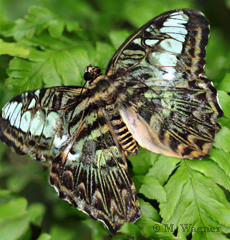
87, 76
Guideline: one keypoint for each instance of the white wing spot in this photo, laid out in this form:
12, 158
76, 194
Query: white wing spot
15, 114
137, 41
58, 141
32, 104
11, 109
37, 123
5, 113
17, 122
37, 92
150, 28
174, 23
169, 76
178, 30
151, 42
180, 15
163, 59
178, 37
73, 157
25, 121
172, 45
52, 122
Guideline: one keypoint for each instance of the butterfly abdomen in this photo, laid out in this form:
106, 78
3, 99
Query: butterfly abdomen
124, 137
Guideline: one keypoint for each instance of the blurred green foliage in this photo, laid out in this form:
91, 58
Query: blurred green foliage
50, 42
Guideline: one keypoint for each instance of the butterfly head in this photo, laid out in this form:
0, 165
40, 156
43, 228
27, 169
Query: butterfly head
91, 73
102, 91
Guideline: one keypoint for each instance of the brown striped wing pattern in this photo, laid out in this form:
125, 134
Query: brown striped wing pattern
87, 166
167, 104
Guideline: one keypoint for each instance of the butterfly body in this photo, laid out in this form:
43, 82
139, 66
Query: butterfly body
153, 94
105, 94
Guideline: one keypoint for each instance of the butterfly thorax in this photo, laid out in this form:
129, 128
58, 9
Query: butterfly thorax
103, 92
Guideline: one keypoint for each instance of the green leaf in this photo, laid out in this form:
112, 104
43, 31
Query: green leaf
162, 168
217, 57
81, 59
118, 37
44, 236
71, 25
224, 99
24, 74
58, 232
222, 139
56, 27
5, 22
67, 68
128, 228
13, 208
4, 193
103, 54
36, 212
174, 192
16, 183
220, 157
225, 83
27, 235
210, 231
37, 21
196, 196
51, 68
151, 188
45, 42
149, 211
15, 228
212, 170
142, 161
12, 49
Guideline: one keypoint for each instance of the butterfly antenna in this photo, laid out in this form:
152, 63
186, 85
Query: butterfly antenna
81, 92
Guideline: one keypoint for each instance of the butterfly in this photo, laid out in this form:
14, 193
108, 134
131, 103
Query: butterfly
153, 94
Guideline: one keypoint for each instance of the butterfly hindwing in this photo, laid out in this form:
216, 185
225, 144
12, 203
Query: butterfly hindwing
179, 122
87, 166
90, 172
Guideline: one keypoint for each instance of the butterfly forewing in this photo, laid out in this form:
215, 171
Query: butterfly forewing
163, 50
168, 106
87, 166
34, 122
